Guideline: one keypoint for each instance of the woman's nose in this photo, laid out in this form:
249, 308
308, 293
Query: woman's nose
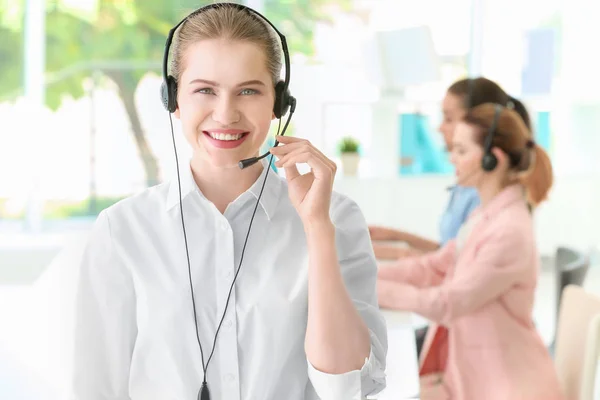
226, 112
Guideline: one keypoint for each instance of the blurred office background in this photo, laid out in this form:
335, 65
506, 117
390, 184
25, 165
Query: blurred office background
82, 126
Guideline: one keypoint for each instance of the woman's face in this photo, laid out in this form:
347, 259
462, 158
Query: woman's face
225, 100
453, 111
466, 155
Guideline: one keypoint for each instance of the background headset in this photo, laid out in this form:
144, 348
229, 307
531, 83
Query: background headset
489, 161
283, 102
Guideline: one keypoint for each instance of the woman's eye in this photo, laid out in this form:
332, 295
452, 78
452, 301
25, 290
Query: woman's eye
204, 91
247, 92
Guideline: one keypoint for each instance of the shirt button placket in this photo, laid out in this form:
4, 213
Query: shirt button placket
227, 340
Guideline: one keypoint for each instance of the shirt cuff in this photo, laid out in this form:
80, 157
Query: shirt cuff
352, 385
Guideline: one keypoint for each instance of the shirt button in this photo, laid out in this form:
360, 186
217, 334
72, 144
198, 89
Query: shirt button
228, 324
226, 273
229, 377
224, 225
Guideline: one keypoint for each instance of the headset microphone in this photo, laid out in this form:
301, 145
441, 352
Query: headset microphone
251, 161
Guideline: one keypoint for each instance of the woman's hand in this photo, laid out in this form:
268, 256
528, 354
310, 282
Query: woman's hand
310, 193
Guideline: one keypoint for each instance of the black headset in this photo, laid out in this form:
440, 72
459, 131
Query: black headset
489, 160
283, 102
168, 89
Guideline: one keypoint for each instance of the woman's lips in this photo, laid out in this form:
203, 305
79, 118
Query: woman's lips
226, 138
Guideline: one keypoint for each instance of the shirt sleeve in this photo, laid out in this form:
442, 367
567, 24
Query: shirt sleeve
422, 270
359, 270
498, 266
105, 327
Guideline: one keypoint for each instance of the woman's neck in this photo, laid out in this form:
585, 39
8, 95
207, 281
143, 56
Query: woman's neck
488, 189
221, 186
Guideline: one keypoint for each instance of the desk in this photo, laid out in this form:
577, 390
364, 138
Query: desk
402, 364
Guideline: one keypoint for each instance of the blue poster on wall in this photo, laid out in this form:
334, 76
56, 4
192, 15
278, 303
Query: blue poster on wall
419, 152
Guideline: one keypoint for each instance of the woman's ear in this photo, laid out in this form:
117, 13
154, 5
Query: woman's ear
273, 116
176, 113
501, 156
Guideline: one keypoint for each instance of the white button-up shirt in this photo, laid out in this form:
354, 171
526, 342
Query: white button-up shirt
135, 335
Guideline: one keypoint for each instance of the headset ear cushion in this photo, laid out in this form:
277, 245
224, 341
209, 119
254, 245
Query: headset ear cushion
168, 94
164, 95
489, 162
282, 100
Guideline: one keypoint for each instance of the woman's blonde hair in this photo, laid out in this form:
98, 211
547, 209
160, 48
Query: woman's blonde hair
530, 161
226, 22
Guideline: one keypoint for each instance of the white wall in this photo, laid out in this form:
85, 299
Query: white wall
570, 218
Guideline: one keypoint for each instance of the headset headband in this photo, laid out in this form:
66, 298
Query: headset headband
286, 54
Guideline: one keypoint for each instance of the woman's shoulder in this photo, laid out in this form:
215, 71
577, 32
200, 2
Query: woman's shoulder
146, 202
513, 222
344, 210
466, 192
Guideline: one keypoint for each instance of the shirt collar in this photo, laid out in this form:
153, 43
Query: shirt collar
268, 201
272, 191
187, 186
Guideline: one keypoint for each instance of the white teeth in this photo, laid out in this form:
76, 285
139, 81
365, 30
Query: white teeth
225, 136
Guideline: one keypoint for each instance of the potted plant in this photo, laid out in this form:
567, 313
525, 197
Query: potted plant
348, 148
